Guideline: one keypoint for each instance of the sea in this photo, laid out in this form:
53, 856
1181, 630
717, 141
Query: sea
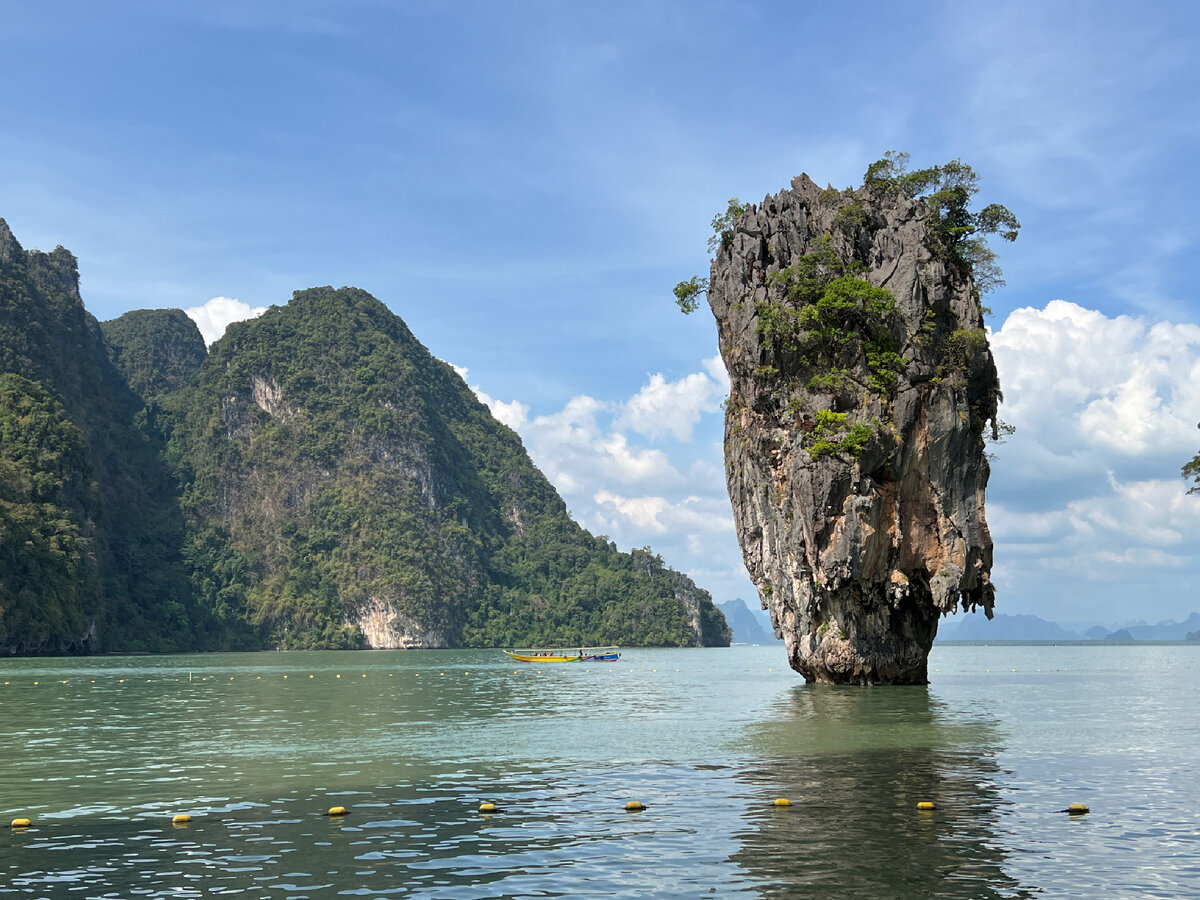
102, 753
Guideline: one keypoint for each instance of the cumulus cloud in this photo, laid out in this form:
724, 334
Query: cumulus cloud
1077, 380
1085, 492
591, 445
673, 408
215, 316
1088, 487
633, 469
693, 514
513, 414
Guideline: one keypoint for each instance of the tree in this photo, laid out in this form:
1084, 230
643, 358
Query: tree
687, 293
1192, 470
948, 189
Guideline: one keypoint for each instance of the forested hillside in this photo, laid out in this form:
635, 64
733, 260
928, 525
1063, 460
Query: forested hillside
317, 479
90, 526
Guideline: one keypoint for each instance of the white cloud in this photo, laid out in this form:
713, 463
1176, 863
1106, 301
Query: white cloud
1077, 381
1085, 492
1088, 488
673, 408
513, 414
632, 470
216, 315
693, 515
579, 453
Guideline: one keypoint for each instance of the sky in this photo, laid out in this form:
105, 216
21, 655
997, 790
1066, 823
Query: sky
524, 182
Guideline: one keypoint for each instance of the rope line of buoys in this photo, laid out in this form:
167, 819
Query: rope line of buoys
192, 677
487, 807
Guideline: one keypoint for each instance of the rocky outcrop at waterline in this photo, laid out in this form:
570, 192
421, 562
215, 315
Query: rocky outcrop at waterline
861, 387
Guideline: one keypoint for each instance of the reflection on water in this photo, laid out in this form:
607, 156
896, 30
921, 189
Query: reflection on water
855, 763
256, 747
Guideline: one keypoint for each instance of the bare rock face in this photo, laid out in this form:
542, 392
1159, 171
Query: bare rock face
854, 433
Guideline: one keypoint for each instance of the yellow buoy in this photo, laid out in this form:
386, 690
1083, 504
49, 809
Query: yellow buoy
338, 675
926, 804
181, 819
634, 806
337, 811
21, 823
1077, 809
487, 807
782, 801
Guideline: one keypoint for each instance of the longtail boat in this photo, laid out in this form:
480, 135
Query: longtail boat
583, 654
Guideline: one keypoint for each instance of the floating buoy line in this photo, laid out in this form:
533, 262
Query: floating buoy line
488, 807
195, 677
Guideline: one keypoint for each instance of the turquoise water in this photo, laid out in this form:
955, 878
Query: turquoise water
100, 753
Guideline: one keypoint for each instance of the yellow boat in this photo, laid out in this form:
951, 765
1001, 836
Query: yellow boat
583, 654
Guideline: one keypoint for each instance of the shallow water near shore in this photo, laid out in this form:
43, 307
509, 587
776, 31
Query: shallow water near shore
101, 752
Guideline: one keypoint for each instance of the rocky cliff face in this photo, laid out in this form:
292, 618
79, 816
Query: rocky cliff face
861, 385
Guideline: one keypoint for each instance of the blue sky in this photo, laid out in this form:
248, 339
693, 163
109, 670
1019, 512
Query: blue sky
524, 182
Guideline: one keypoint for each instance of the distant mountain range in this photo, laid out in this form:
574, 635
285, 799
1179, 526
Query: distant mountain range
976, 627
750, 626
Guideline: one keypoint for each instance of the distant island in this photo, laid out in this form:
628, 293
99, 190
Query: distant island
316, 479
1032, 628
748, 626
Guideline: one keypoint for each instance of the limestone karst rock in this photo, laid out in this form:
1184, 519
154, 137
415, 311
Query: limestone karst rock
854, 429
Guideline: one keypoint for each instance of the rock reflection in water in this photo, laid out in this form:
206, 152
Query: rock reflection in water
855, 763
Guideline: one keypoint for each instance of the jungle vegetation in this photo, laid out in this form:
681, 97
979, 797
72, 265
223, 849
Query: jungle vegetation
157, 496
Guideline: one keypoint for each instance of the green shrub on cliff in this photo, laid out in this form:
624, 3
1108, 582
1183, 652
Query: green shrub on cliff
687, 293
832, 320
830, 435
1192, 470
948, 190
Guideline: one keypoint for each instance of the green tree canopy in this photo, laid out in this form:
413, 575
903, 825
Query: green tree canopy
1191, 471
948, 190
